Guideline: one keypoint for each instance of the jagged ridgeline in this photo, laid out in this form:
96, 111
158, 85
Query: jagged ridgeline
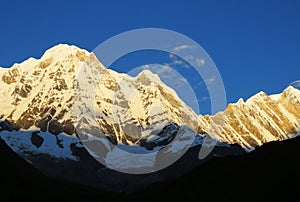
38, 95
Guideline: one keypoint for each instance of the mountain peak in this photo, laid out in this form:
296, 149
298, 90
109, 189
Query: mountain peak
61, 51
291, 90
148, 76
258, 97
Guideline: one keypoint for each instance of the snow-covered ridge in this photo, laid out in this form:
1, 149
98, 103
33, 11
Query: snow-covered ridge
259, 120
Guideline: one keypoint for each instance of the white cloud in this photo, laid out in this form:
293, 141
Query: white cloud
182, 47
189, 58
168, 75
177, 61
165, 69
210, 80
200, 62
194, 61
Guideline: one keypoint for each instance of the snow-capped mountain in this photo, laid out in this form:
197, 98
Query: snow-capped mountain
259, 120
39, 94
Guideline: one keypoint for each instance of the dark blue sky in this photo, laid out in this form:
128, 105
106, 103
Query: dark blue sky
254, 44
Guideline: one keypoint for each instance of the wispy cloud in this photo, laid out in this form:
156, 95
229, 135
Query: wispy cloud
200, 62
177, 61
210, 80
168, 75
182, 47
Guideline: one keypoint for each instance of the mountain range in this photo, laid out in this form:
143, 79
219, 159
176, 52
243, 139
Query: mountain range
55, 110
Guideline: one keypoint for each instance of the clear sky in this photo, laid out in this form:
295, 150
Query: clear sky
254, 44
